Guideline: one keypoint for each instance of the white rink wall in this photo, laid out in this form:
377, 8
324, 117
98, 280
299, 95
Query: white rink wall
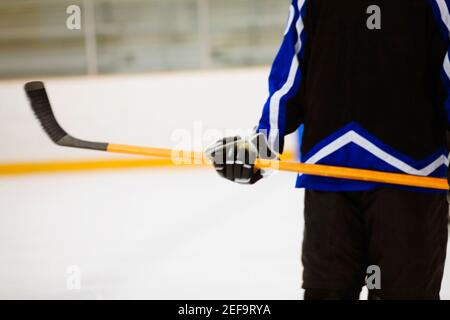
150, 110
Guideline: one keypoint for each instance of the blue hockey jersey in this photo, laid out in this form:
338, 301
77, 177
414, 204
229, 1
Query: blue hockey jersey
370, 82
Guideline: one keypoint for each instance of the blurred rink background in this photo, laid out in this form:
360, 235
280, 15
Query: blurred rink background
78, 224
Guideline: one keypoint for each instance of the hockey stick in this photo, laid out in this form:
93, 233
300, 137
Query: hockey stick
42, 109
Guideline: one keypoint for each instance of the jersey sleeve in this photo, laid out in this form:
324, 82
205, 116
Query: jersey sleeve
282, 113
442, 15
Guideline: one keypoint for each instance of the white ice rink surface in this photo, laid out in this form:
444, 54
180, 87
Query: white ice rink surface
151, 234
165, 234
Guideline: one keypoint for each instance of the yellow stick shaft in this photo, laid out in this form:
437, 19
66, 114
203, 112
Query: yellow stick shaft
312, 169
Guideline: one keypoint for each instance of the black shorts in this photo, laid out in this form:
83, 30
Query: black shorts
402, 232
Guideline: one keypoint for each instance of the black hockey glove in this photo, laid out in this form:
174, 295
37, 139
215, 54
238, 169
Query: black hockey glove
234, 158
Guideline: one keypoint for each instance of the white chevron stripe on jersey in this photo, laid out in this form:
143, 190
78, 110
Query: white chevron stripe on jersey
359, 140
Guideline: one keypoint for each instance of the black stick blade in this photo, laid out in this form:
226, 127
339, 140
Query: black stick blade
43, 111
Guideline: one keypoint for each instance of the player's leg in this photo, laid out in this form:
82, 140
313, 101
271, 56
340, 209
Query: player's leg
407, 239
334, 247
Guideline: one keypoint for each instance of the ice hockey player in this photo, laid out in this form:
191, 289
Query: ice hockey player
370, 81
